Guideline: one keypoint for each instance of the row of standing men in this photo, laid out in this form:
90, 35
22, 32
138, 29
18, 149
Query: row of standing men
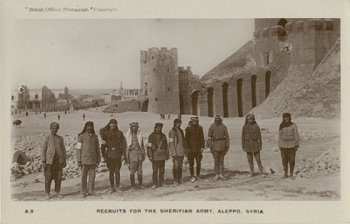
132, 149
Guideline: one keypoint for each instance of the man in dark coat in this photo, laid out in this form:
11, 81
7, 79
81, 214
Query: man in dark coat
113, 150
157, 152
88, 156
195, 144
53, 157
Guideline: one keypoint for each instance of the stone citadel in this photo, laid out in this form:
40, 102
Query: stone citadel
242, 81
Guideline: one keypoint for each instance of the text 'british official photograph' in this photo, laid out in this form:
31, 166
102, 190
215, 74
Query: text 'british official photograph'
176, 110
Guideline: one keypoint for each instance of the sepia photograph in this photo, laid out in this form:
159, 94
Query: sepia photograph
162, 109
172, 110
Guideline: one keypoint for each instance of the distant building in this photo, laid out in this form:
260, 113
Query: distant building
87, 101
98, 102
13, 103
49, 102
125, 94
107, 98
24, 99
115, 98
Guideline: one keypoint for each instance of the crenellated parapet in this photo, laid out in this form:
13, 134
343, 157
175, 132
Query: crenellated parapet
297, 26
185, 69
154, 54
312, 25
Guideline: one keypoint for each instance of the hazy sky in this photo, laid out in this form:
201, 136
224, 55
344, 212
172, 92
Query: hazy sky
100, 53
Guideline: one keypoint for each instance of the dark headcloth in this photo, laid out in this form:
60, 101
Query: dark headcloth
177, 121
113, 121
285, 115
286, 124
89, 123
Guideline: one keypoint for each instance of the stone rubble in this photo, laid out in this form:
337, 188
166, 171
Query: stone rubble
327, 163
32, 148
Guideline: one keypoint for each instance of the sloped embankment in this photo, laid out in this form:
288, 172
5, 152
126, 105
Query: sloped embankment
307, 95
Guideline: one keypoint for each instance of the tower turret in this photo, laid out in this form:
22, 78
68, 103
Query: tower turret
160, 80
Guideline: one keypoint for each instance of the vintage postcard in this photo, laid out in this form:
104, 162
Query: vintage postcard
166, 112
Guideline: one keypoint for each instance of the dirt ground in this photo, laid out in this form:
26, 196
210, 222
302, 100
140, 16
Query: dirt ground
317, 136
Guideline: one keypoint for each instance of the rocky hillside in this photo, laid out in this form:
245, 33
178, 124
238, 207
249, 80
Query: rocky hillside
304, 94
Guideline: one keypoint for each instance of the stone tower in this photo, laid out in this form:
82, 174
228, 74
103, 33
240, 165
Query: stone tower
160, 80
311, 39
272, 51
185, 77
288, 42
23, 97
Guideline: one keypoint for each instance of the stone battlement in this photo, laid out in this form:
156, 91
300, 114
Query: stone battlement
313, 25
154, 52
307, 25
183, 69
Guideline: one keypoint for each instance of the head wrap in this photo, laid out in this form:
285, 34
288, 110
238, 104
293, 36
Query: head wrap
249, 116
189, 123
217, 116
54, 124
286, 124
106, 127
177, 121
194, 118
134, 124
285, 115
114, 121
88, 123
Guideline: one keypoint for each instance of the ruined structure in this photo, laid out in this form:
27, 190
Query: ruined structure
246, 78
48, 101
39, 100
24, 99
